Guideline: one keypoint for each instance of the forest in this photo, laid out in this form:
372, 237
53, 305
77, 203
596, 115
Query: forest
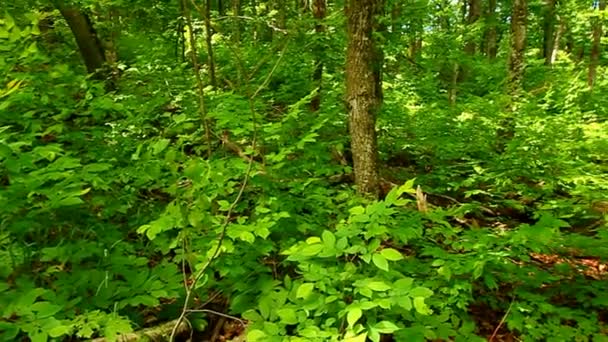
304, 170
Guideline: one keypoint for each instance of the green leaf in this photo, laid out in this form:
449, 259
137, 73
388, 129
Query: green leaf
358, 210
421, 306
288, 316
45, 309
311, 250
403, 284
405, 302
329, 239
358, 338
60, 330
386, 327
39, 336
305, 290
159, 146
421, 292
255, 335
379, 286
380, 262
353, 316
391, 254
66, 202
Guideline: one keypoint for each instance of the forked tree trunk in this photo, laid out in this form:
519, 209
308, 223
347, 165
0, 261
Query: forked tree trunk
88, 43
518, 45
548, 30
363, 91
594, 58
319, 9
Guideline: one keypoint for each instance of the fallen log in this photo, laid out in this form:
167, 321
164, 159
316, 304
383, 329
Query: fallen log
155, 334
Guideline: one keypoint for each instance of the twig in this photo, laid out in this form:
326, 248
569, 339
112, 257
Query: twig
218, 314
502, 321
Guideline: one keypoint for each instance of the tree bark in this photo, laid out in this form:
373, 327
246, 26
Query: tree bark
208, 37
556, 41
236, 13
518, 45
548, 31
87, 40
319, 9
472, 16
363, 91
221, 10
594, 58
491, 33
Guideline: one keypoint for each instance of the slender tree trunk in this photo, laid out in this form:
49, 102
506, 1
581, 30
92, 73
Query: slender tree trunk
518, 45
472, 16
558, 37
87, 40
236, 13
208, 41
548, 30
221, 10
594, 58
491, 33
319, 9
197, 75
363, 91
453, 90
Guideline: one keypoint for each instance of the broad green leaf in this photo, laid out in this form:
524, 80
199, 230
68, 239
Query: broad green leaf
305, 290
311, 250
159, 146
287, 316
421, 306
358, 338
329, 239
379, 286
380, 262
391, 254
421, 292
386, 327
45, 309
256, 335
403, 284
353, 316
60, 330
405, 302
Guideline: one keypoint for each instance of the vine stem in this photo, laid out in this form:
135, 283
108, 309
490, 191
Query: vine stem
224, 227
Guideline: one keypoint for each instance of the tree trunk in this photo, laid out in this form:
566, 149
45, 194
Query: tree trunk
472, 16
363, 91
556, 41
518, 45
594, 58
548, 30
491, 33
88, 43
208, 37
221, 10
319, 9
236, 13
